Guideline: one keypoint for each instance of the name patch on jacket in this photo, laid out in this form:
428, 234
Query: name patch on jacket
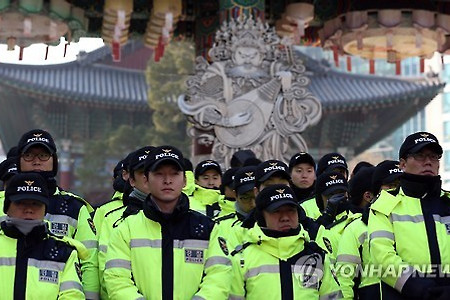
59, 228
48, 276
193, 256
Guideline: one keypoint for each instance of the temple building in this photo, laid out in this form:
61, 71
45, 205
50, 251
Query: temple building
81, 100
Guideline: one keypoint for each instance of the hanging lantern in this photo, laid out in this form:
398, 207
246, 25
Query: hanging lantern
372, 66
295, 20
11, 43
160, 27
28, 22
391, 33
116, 23
398, 67
300, 14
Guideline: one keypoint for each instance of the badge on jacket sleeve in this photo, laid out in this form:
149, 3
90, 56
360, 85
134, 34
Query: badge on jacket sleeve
223, 245
327, 243
91, 224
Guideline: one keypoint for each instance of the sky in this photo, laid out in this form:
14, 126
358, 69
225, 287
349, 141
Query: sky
35, 54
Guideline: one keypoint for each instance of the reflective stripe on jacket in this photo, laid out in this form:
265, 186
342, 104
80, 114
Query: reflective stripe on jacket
38, 266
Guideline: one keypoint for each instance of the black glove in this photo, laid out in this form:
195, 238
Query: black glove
334, 204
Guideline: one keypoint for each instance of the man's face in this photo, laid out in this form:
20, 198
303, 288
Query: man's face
140, 181
425, 162
229, 192
391, 185
270, 181
303, 175
246, 201
341, 170
282, 219
166, 183
36, 159
26, 210
210, 179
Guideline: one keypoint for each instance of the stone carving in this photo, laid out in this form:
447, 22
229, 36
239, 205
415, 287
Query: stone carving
253, 94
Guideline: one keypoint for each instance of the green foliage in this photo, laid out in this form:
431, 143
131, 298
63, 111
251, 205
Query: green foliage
166, 79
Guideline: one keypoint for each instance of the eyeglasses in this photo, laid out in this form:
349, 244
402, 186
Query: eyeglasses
43, 156
422, 157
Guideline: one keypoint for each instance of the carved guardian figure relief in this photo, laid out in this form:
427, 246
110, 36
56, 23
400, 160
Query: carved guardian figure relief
253, 94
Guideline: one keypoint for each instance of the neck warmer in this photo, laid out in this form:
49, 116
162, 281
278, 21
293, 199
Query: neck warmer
279, 234
24, 226
137, 194
418, 186
240, 211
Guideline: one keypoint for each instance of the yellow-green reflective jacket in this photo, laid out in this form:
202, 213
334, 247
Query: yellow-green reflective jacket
190, 183
2, 201
101, 211
311, 209
69, 215
153, 256
402, 237
205, 201
353, 260
38, 266
226, 206
283, 268
111, 221
229, 227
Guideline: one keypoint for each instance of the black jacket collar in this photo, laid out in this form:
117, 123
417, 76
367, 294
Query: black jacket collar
152, 211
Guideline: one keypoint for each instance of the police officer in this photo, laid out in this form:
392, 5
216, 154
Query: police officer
278, 261
360, 189
206, 196
134, 203
353, 260
230, 225
227, 205
115, 201
302, 168
162, 251
34, 263
8, 169
331, 162
68, 214
386, 176
408, 227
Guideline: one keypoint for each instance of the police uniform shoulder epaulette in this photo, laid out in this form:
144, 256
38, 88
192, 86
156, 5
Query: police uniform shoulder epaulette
223, 218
